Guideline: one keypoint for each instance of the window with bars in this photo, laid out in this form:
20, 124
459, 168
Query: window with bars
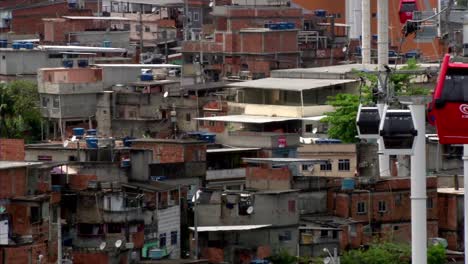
344, 165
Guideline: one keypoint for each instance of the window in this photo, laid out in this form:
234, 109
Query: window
56, 103
174, 238
284, 236
382, 206
114, 228
305, 167
45, 101
196, 16
309, 128
361, 208
147, 29
292, 206
398, 198
126, 27
323, 233
343, 165
326, 166
137, 28
188, 117
162, 240
36, 216
430, 203
335, 234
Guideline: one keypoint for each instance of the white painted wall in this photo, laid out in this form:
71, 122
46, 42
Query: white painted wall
169, 221
353, 18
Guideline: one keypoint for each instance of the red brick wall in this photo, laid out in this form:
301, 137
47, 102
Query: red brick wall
138, 239
448, 212
13, 182
12, 149
20, 218
174, 152
80, 181
20, 254
85, 258
266, 178
29, 20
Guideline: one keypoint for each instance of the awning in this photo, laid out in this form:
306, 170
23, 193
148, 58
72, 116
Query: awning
314, 118
96, 18
81, 48
283, 160
255, 119
222, 150
153, 66
227, 228
290, 84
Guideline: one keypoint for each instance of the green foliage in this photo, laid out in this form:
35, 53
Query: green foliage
391, 253
379, 253
19, 114
342, 122
436, 255
283, 257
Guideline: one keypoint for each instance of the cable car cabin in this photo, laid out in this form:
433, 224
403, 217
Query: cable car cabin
450, 103
367, 122
407, 7
398, 132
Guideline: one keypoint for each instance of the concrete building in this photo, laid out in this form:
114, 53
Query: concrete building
229, 231
450, 213
86, 31
234, 46
341, 160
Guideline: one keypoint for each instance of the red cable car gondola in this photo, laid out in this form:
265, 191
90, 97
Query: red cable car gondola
450, 103
407, 7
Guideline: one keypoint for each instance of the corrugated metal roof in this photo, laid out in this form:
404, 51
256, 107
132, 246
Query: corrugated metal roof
139, 65
255, 119
80, 48
284, 160
17, 164
290, 84
96, 18
314, 118
229, 150
228, 228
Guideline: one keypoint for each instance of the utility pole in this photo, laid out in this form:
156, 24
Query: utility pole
382, 57
186, 20
59, 236
141, 31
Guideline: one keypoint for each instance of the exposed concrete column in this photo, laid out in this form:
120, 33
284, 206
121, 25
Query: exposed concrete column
418, 188
366, 34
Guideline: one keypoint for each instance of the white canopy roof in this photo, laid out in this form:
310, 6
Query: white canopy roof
255, 119
290, 84
228, 228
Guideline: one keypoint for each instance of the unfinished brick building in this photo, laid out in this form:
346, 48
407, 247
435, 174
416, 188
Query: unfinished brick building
241, 43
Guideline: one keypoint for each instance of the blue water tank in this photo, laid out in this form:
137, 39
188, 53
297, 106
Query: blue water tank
91, 132
146, 77
347, 184
125, 163
78, 131
106, 44
290, 25
83, 63
208, 137
16, 45
92, 143
67, 63
283, 25
29, 45
273, 26
3, 43
320, 13
127, 141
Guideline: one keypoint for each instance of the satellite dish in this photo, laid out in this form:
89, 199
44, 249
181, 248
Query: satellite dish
65, 143
314, 131
166, 94
310, 168
250, 210
102, 246
118, 243
73, 139
344, 49
211, 4
327, 260
196, 196
153, 10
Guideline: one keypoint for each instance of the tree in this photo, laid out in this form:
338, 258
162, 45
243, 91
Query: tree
283, 257
19, 114
391, 253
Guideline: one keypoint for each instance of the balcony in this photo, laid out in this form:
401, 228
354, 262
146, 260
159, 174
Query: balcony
70, 80
214, 175
261, 139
